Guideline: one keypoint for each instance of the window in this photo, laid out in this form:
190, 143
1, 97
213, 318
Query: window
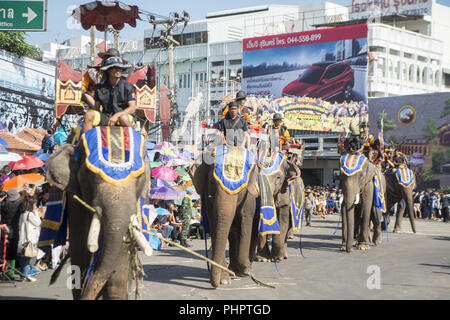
217, 63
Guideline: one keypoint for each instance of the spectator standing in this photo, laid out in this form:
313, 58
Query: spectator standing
186, 212
426, 205
48, 143
436, 206
175, 222
444, 205
310, 204
29, 229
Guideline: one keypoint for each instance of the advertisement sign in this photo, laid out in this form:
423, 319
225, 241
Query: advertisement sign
317, 79
329, 64
419, 126
363, 9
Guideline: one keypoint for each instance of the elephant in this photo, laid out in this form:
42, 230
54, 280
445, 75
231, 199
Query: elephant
395, 193
286, 175
69, 169
230, 217
356, 177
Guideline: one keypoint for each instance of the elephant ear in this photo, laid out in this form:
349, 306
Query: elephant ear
199, 171
62, 169
143, 186
252, 183
292, 172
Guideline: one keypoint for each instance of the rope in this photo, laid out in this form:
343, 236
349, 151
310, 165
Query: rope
387, 232
260, 282
339, 221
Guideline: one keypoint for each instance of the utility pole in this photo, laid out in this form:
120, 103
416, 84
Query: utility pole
166, 40
92, 45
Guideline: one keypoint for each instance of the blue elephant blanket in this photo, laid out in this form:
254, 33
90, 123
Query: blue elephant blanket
351, 163
117, 154
404, 176
232, 168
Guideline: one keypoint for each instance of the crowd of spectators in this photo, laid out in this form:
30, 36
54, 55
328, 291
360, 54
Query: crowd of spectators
432, 205
321, 201
21, 212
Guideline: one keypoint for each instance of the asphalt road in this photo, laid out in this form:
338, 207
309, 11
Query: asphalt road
409, 266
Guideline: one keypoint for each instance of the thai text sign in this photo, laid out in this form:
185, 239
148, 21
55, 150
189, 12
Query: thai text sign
363, 9
21, 15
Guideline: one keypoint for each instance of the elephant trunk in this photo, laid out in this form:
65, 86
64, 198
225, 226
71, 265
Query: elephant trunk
114, 225
410, 207
222, 224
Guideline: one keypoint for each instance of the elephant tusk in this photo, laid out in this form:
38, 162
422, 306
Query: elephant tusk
356, 198
94, 232
140, 238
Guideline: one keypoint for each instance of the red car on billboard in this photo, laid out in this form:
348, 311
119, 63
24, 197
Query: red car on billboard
324, 80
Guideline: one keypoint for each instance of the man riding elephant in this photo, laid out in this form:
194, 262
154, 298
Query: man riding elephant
115, 98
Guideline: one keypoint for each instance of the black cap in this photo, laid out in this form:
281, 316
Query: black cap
277, 116
112, 52
240, 95
233, 104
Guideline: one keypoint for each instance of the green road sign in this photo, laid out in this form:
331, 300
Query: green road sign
21, 15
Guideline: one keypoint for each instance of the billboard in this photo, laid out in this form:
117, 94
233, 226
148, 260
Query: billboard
419, 126
364, 9
316, 78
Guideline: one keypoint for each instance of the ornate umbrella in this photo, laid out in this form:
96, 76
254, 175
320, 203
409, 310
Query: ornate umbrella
9, 156
102, 14
42, 156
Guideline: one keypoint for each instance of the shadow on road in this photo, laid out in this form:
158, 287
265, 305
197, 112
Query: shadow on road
180, 275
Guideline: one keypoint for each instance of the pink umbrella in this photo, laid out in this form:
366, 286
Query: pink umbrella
164, 173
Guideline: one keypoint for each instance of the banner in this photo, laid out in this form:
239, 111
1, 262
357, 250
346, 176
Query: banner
312, 114
329, 64
364, 9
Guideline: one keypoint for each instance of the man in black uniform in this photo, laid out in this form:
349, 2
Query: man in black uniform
234, 128
115, 98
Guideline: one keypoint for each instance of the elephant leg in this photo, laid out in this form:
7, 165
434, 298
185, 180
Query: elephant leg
246, 217
376, 221
399, 218
79, 222
279, 250
263, 252
344, 229
366, 208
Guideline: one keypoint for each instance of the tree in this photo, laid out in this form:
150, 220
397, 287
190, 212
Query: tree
14, 42
446, 110
387, 125
430, 131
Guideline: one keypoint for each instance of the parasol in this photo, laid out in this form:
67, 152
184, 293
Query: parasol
166, 193
10, 156
102, 14
19, 181
158, 183
149, 145
3, 142
42, 156
163, 145
164, 173
60, 137
27, 162
155, 164
177, 162
162, 212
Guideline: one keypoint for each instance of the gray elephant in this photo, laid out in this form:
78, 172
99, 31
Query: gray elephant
356, 177
109, 173
230, 213
400, 184
288, 174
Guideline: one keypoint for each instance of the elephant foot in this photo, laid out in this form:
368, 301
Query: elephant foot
261, 259
225, 281
363, 246
397, 230
377, 239
343, 247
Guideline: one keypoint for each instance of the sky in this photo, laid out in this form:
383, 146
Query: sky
60, 26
